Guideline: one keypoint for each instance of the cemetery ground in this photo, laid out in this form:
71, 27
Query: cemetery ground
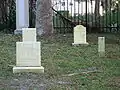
67, 67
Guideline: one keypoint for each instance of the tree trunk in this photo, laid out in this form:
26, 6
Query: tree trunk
97, 12
106, 4
44, 17
97, 8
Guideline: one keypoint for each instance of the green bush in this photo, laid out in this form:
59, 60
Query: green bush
112, 21
111, 18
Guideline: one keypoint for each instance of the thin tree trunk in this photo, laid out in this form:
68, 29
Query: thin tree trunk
106, 5
97, 12
97, 8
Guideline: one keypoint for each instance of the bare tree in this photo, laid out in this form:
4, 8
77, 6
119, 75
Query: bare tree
106, 4
7, 14
97, 8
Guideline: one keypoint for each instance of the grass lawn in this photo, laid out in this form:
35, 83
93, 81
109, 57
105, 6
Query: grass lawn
67, 67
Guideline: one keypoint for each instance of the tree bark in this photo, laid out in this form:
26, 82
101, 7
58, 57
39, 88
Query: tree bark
44, 17
97, 8
106, 4
97, 12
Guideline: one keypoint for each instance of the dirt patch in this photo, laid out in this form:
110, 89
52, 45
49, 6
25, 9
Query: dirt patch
22, 82
113, 56
32, 82
114, 82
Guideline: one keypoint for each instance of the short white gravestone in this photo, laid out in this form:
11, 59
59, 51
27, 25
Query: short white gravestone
101, 46
29, 34
79, 35
28, 53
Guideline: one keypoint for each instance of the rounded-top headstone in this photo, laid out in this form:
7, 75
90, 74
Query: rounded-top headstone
79, 35
80, 28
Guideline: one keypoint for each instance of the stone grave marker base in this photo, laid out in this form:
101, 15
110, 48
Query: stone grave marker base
75, 44
101, 54
28, 53
28, 69
18, 31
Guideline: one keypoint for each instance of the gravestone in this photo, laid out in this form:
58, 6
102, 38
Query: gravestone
29, 34
28, 53
101, 46
79, 35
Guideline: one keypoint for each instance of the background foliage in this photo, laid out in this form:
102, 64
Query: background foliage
110, 18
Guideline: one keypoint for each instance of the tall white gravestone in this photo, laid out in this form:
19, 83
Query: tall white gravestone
79, 35
101, 46
28, 53
22, 15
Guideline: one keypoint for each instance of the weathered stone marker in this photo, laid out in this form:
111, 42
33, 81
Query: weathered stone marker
79, 35
28, 53
101, 46
29, 34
